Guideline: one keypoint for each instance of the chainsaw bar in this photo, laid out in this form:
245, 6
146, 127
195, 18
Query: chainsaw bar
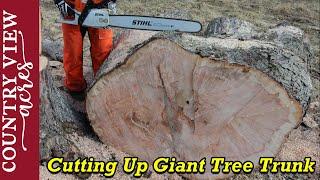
100, 18
154, 23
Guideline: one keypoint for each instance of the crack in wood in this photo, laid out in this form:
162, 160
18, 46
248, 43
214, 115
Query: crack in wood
168, 110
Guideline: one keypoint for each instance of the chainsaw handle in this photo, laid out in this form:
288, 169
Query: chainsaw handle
85, 12
90, 5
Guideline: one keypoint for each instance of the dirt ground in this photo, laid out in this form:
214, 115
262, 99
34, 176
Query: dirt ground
305, 14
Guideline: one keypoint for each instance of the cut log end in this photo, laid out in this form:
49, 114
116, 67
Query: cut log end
166, 101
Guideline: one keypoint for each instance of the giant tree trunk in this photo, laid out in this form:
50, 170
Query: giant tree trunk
167, 95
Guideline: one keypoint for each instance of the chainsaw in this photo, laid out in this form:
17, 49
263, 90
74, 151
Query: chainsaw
103, 18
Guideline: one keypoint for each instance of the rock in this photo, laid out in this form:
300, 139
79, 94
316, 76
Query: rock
290, 38
231, 27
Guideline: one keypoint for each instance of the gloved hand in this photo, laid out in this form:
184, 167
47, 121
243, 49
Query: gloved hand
109, 4
112, 6
65, 9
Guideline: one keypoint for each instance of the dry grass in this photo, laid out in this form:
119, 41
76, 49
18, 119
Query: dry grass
304, 14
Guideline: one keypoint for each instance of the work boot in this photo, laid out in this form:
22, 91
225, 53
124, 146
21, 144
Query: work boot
79, 96
76, 95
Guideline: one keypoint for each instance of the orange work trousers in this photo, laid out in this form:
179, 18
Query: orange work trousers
101, 46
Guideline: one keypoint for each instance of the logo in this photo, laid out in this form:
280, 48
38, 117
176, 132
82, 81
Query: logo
16, 93
104, 20
141, 23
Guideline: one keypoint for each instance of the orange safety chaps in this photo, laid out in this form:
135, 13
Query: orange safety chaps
101, 46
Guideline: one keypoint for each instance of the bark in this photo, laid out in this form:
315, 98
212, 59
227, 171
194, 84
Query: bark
231, 27
52, 49
57, 117
193, 97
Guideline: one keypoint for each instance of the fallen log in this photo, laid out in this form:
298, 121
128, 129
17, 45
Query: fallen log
168, 95
57, 117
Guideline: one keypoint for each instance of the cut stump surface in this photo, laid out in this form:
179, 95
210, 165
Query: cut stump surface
166, 101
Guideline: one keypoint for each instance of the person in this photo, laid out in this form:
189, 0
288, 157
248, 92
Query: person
100, 40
